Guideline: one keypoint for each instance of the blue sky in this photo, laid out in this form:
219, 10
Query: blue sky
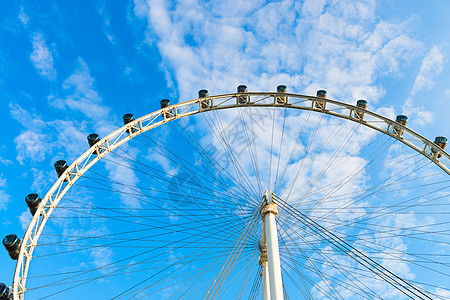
71, 68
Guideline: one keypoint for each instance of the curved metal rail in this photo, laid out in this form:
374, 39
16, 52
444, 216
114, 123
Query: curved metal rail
188, 108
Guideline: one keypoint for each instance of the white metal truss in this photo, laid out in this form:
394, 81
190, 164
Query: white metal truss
249, 99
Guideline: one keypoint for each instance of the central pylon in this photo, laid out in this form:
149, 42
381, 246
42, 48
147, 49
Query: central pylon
269, 258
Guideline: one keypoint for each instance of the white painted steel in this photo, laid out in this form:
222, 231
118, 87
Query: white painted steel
188, 108
266, 284
273, 252
264, 263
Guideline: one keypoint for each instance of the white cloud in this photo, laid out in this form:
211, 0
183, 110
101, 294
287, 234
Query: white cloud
34, 145
25, 219
163, 161
42, 57
23, 17
336, 45
81, 95
37, 141
141, 8
5, 198
388, 112
40, 180
30, 143
124, 181
26, 118
99, 257
432, 66
66, 139
106, 23
102, 257
419, 114
313, 8
5, 161
443, 293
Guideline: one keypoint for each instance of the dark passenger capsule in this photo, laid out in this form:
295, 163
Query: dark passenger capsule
242, 89
33, 201
12, 245
127, 118
164, 103
60, 167
93, 139
4, 292
203, 93
281, 89
401, 119
242, 99
281, 99
361, 104
441, 141
320, 94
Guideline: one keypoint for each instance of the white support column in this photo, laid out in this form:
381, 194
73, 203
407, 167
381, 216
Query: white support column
268, 212
266, 284
264, 265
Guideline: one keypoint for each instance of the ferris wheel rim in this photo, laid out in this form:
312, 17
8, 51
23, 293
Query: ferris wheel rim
185, 109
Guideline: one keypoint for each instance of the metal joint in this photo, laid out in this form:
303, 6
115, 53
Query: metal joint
269, 209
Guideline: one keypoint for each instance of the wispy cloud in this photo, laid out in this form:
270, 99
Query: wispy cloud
63, 138
5, 161
163, 161
23, 17
102, 256
106, 23
40, 180
24, 219
337, 45
432, 66
99, 257
37, 141
81, 95
124, 180
42, 57
141, 8
31, 143
5, 198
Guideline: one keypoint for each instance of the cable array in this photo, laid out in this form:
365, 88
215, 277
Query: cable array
175, 214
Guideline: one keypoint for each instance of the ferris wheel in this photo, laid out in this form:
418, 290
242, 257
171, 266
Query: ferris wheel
269, 195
